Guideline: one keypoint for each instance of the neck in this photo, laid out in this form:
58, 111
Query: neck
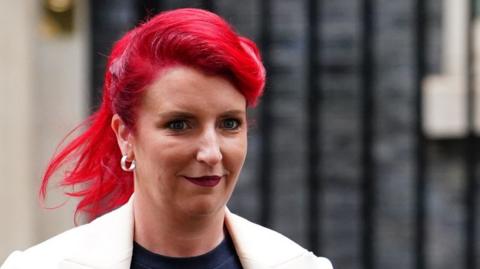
175, 234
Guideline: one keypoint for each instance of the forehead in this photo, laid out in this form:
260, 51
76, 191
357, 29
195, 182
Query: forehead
186, 88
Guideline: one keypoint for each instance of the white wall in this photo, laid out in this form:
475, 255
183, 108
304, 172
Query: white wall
445, 94
43, 94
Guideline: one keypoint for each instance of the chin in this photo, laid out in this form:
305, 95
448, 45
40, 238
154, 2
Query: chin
204, 207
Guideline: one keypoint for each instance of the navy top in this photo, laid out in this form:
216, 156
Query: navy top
221, 257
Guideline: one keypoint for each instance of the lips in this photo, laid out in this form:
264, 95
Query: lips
205, 181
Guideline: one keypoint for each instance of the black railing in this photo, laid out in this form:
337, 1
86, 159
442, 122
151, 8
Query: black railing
368, 134
266, 121
420, 168
313, 133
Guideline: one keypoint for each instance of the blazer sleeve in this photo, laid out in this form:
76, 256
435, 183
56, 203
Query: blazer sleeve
13, 261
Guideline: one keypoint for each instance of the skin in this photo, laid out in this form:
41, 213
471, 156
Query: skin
189, 124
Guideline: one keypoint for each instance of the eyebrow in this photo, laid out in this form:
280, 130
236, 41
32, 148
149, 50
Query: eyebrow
175, 114
233, 112
185, 114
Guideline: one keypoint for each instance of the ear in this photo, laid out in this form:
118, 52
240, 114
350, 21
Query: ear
124, 136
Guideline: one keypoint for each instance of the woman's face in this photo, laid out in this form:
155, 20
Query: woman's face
190, 141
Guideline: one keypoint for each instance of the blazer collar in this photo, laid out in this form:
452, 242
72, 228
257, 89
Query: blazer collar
108, 241
258, 247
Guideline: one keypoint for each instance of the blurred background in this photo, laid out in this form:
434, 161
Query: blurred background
364, 148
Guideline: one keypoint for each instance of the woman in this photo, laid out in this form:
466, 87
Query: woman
159, 160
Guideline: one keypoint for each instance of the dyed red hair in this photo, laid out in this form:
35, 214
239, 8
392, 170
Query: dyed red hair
190, 37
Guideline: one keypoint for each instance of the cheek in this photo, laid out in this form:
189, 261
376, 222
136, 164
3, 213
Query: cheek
165, 156
148, 157
243, 152
237, 153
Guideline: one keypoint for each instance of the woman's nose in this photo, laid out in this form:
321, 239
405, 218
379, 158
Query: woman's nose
209, 149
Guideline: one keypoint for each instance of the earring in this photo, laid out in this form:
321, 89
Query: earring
123, 164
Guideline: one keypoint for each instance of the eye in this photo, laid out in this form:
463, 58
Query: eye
230, 124
177, 125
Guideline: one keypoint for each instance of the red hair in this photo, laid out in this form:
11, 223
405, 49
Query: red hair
190, 37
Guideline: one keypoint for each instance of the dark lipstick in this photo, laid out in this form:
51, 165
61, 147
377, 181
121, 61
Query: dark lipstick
205, 181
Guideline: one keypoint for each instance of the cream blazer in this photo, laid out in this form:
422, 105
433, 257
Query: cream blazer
107, 242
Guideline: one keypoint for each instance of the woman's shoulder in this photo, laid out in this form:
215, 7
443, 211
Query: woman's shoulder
106, 239
256, 243
47, 253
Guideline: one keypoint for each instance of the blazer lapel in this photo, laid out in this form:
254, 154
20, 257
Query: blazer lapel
244, 236
261, 248
107, 242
